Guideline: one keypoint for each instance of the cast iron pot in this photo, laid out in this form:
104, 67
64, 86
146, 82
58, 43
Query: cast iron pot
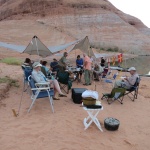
111, 124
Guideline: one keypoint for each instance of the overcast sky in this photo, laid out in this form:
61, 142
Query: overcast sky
137, 8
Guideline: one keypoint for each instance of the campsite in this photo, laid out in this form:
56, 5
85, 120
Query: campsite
64, 129
76, 28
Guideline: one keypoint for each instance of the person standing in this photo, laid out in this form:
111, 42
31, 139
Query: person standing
102, 62
79, 64
87, 69
63, 61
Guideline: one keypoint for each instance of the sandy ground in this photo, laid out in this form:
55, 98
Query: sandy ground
64, 130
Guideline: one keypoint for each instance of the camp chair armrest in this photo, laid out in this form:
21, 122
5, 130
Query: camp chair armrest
41, 88
39, 84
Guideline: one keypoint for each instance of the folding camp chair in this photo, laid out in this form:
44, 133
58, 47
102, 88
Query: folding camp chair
92, 117
64, 81
40, 90
26, 73
47, 75
105, 74
111, 80
132, 93
43, 71
117, 94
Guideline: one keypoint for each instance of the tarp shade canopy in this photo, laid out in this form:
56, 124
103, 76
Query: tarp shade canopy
36, 47
18, 48
84, 46
56, 49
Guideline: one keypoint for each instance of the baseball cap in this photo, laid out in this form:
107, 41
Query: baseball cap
131, 68
36, 64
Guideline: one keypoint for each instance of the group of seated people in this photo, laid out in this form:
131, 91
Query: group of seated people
38, 76
60, 66
125, 82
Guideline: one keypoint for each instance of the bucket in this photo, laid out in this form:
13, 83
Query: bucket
89, 101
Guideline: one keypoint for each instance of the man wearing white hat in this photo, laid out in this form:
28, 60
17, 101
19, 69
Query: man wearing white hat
127, 82
39, 77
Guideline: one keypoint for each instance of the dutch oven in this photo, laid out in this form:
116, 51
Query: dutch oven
111, 124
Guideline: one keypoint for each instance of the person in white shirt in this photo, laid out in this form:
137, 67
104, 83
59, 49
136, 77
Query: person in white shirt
39, 77
127, 82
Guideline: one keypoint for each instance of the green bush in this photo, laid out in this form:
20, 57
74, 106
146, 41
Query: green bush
11, 61
115, 49
102, 48
12, 82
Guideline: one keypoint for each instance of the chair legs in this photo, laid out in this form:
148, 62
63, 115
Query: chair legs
92, 118
51, 101
63, 86
111, 100
132, 95
34, 98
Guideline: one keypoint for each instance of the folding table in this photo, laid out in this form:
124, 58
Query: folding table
92, 117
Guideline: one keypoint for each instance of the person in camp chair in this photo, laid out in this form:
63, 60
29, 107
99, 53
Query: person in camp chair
97, 71
27, 63
39, 77
127, 82
54, 65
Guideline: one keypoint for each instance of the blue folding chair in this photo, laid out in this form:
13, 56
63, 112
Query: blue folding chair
40, 90
105, 74
26, 73
111, 80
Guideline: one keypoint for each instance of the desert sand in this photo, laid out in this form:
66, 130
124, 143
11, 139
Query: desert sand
64, 129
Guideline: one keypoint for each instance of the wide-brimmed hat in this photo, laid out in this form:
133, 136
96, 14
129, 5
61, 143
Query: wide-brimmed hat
36, 64
131, 68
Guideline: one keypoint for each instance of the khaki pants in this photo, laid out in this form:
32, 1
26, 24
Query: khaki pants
120, 83
87, 76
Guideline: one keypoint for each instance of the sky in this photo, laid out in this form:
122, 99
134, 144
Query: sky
136, 8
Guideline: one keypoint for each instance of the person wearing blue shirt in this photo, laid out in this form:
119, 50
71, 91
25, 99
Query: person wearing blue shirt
54, 65
79, 64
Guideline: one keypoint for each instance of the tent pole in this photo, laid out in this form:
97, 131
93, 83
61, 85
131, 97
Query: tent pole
37, 47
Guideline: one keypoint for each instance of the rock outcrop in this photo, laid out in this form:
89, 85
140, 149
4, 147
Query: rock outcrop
106, 26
